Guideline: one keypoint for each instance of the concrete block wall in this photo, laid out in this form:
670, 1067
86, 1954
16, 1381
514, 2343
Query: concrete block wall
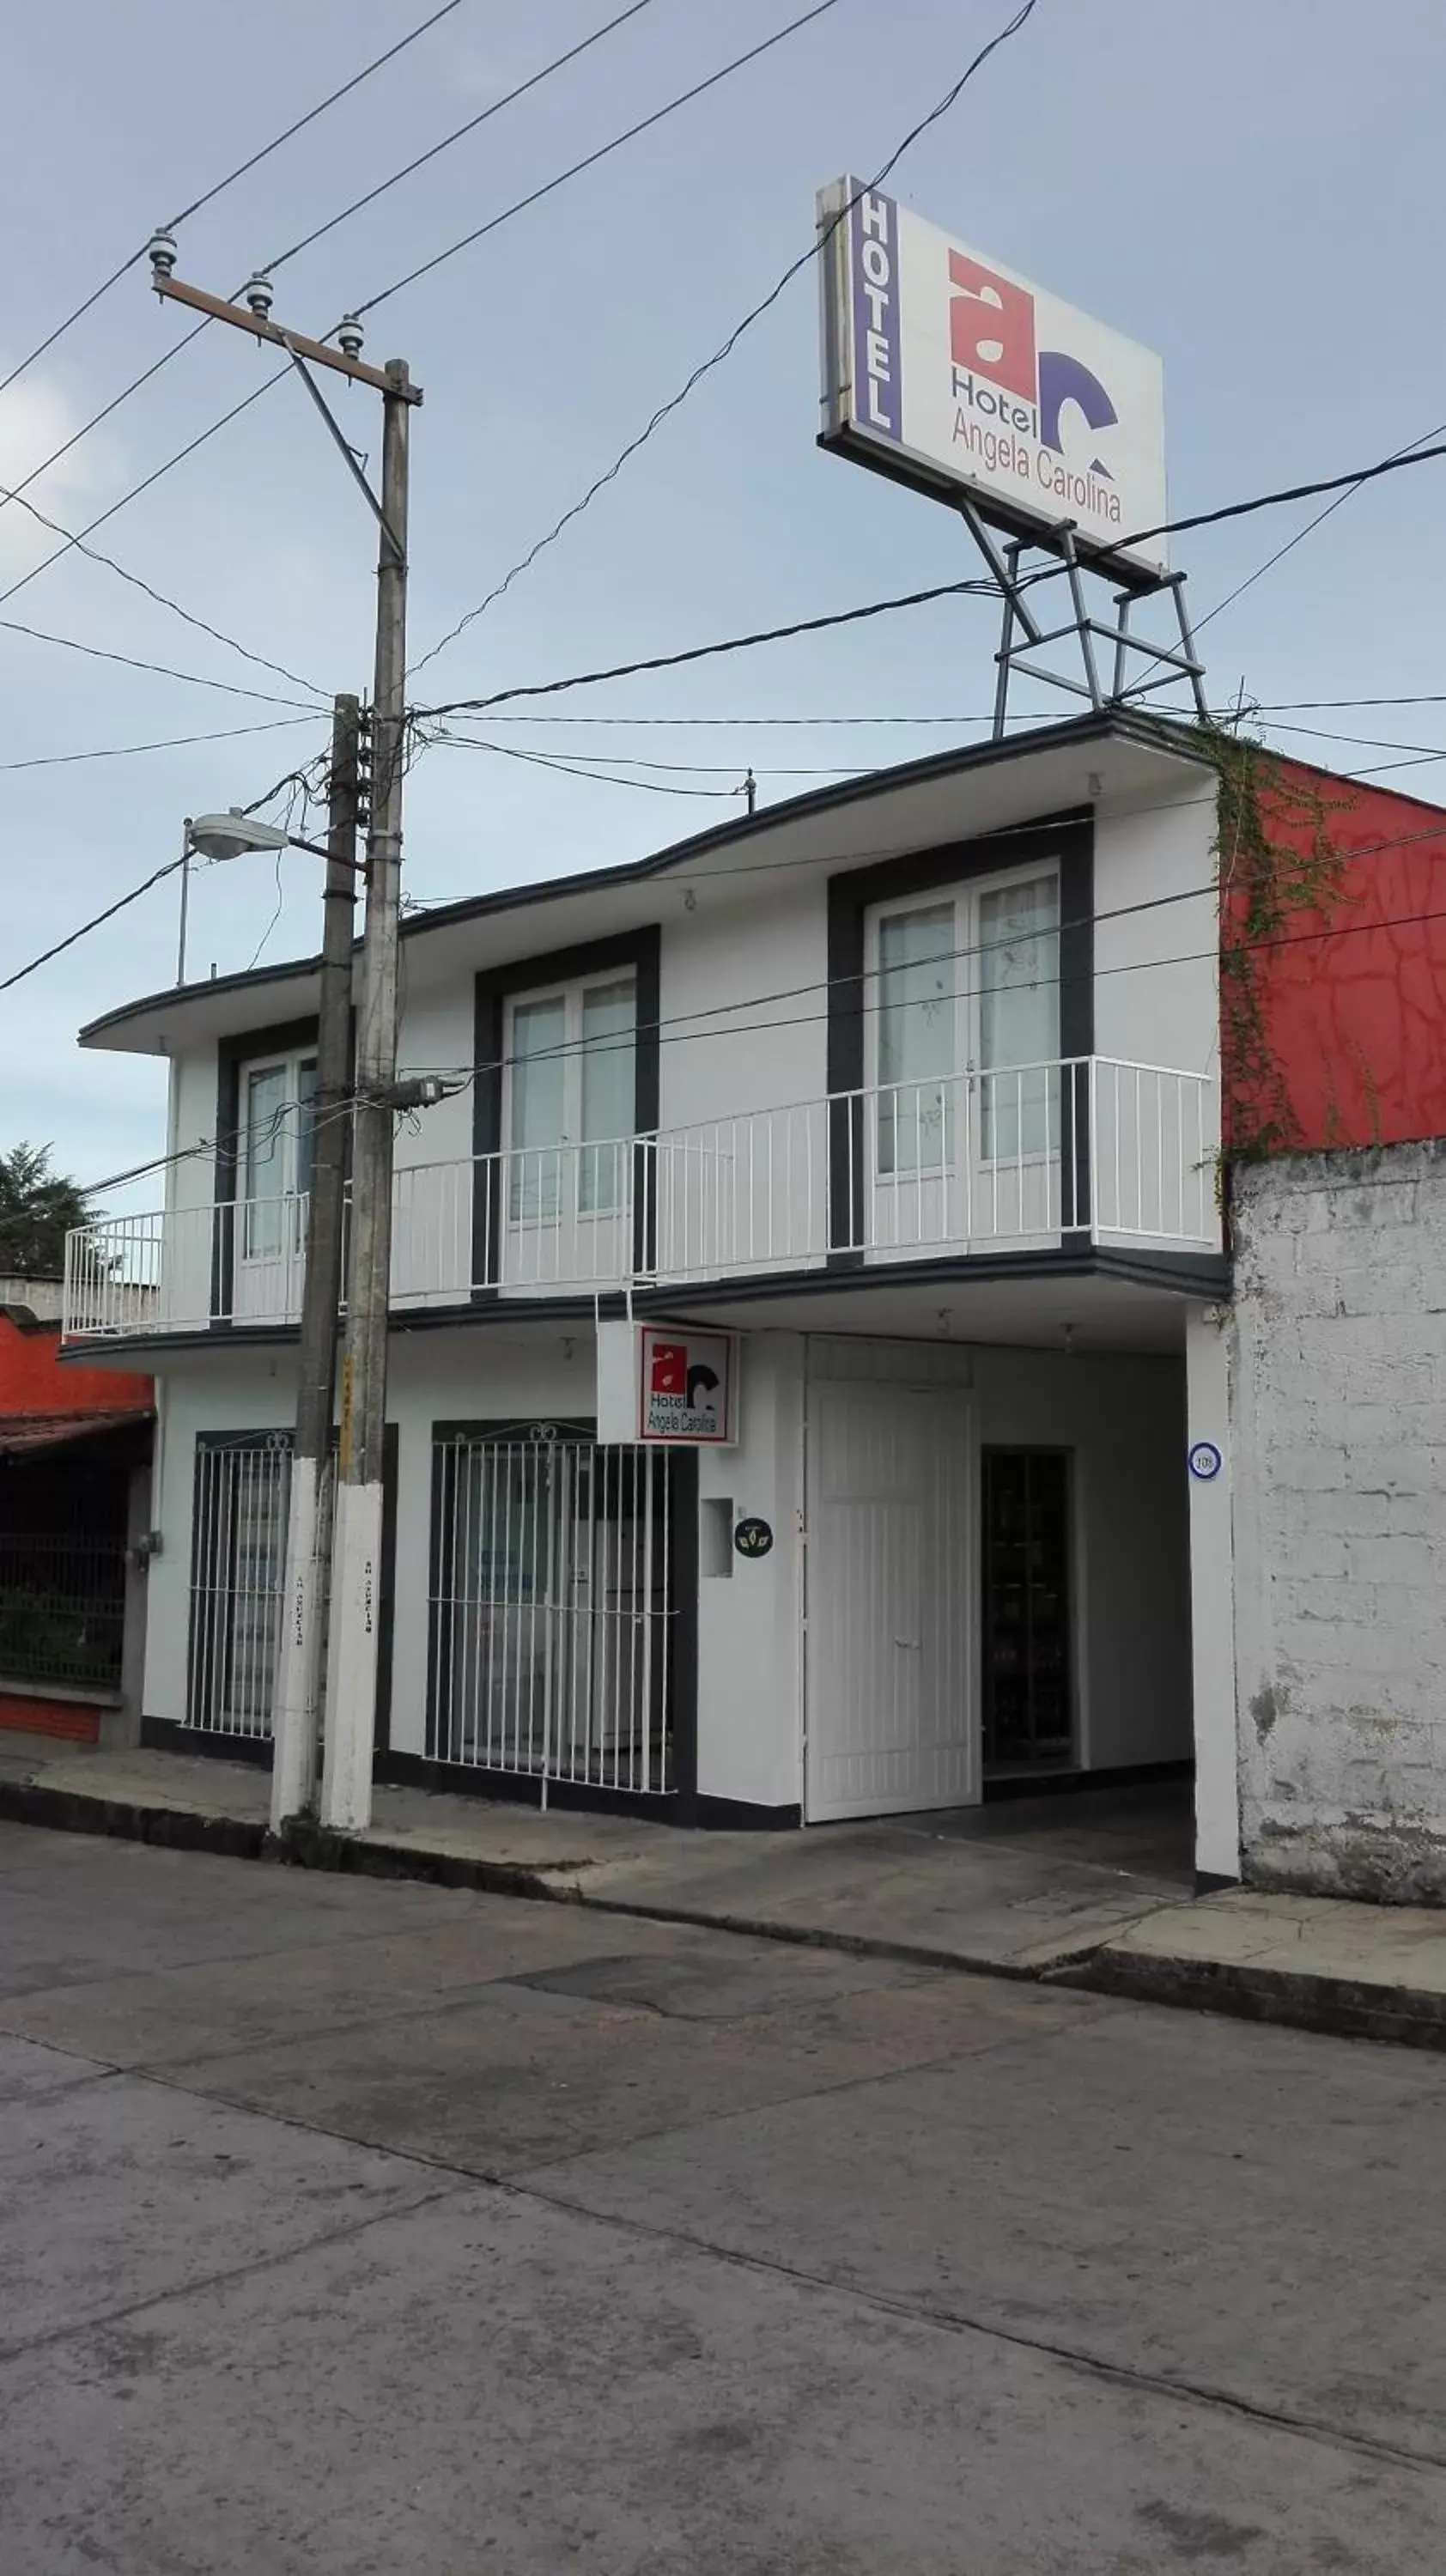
1338, 1402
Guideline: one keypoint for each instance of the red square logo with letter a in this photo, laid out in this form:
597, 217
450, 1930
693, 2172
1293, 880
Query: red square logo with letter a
669, 1373
991, 327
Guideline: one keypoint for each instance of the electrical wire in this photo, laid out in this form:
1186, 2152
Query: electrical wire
144, 486
692, 768
94, 555
270, 266
671, 1035
131, 750
571, 769
463, 1075
727, 347
209, 195
920, 598
706, 652
170, 869
161, 670
1266, 706
590, 161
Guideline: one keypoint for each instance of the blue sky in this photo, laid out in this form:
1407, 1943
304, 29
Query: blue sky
1253, 191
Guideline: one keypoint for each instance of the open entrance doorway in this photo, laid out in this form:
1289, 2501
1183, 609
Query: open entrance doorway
1027, 1614
998, 1585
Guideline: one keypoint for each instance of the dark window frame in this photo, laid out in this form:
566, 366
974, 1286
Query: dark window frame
1066, 840
246, 1046
681, 1467
638, 952
283, 1434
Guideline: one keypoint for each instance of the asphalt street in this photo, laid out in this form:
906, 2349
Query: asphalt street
378, 2228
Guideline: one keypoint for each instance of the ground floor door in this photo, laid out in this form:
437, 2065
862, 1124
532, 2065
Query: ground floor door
892, 1719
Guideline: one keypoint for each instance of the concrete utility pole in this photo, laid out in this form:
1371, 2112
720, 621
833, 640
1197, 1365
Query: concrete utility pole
356, 1548
296, 1700
346, 1795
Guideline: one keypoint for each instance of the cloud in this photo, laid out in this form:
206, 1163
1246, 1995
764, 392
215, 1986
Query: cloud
35, 419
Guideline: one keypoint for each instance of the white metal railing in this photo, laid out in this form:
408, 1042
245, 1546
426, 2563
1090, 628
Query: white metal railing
980, 1161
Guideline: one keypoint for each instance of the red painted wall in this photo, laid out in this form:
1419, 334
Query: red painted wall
1356, 1019
33, 1380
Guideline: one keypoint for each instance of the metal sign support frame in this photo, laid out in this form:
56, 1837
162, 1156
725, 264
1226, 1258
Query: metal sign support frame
1022, 632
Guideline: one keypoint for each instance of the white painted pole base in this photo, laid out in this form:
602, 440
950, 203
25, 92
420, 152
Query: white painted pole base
297, 1697
351, 1675
1212, 1601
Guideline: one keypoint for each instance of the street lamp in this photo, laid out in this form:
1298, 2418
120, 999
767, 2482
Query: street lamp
233, 835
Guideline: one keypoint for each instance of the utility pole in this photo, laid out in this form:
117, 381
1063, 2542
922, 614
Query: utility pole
356, 1537
346, 1796
296, 1699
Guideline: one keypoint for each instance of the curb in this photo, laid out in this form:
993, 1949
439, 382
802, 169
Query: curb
73, 1811
306, 1845
1343, 2007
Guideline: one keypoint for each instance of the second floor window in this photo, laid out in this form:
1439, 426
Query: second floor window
570, 1100
277, 1128
967, 1012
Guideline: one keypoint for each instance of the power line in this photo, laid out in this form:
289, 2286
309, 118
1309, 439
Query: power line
704, 652
727, 347
591, 160
813, 1019
209, 195
134, 662
130, 750
678, 1020
95, 922
1342, 483
94, 554
269, 267
690, 768
817, 10
98, 919
138, 488
1308, 530
918, 598
1262, 707
571, 769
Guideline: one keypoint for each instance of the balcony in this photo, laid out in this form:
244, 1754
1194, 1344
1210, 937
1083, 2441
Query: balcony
981, 1163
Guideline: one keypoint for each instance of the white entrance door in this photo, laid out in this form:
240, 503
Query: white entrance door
891, 1586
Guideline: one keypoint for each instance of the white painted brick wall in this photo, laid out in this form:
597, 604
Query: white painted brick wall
1338, 1401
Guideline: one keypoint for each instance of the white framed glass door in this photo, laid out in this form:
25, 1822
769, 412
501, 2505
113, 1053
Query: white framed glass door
277, 1133
568, 1119
961, 1126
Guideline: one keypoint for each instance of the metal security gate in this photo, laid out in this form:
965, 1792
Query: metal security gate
552, 1612
238, 1553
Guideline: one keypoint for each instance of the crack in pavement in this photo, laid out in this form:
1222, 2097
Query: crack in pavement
1204, 2394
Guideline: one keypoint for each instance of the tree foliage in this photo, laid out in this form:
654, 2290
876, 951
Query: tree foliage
38, 1208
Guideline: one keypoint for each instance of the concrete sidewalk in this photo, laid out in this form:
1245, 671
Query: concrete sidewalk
1017, 1890
1089, 1889
1318, 1962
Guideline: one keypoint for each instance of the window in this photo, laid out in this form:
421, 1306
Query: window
918, 1053
1019, 1019
278, 1106
967, 1010
570, 1117
238, 1550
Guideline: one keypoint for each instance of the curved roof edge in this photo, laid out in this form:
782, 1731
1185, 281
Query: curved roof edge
1155, 732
